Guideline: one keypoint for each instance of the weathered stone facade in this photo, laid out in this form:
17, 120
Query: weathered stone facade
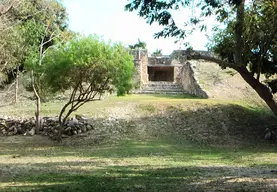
166, 71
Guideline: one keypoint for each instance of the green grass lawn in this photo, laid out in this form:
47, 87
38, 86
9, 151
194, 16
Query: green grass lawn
149, 165
156, 143
53, 107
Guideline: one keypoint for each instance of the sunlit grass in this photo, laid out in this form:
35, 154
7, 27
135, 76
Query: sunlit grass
127, 164
166, 160
145, 102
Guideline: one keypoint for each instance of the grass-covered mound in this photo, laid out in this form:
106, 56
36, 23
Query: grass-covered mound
147, 143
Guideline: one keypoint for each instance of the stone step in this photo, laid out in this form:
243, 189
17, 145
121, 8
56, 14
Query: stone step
162, 88
165, 90
159, 92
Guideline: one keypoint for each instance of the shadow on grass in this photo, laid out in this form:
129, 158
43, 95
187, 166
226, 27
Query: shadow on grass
218, 125
146, 178
178, 149
198, 125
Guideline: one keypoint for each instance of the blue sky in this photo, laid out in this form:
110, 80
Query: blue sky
108, 19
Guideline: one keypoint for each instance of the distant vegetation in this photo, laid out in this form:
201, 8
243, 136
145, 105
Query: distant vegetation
139, 44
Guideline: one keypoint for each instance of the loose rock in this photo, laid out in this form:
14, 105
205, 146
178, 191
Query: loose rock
49, 126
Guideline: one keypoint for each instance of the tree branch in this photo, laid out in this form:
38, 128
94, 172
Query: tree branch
2, 7
20, 22
265, 48
33, 85
220, 62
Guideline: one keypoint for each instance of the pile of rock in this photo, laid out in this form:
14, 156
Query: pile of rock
49, 126
10, 126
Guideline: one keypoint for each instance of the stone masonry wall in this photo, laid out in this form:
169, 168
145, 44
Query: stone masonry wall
190, 83
178, 73
140, 62
183, 71
143, 66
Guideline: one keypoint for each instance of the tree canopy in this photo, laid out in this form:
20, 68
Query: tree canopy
139, 44
23, 27
88, 67
88, 59
157, 53
246, 44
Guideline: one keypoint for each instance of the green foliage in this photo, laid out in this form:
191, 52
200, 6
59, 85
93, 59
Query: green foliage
139, 44
222, 42
161, 13
31, 18
24, 27
88, 61
158, 52
260, 34
11, 49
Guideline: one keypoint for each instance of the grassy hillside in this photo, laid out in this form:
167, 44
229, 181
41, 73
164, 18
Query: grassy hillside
206, 121
149, 143
224, 84
146, 143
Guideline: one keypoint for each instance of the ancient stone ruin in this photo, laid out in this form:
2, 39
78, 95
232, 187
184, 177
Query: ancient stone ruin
167, 74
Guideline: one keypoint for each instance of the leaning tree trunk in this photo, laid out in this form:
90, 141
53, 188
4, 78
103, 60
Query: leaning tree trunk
262, 90
62, 120
239, 65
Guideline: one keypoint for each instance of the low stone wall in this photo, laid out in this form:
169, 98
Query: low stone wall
49, 126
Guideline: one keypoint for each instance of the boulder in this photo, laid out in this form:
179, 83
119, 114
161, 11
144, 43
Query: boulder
30, 132
72, 122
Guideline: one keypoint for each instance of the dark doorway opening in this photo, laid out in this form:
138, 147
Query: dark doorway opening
161, 73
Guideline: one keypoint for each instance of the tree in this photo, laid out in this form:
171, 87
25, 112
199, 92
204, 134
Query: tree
88, 67
34, 66
248, 44
139, 44
157, 53
11, 49
41, 33
23, 25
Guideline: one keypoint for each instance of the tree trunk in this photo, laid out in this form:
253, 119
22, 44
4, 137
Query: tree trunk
38, 122
16, 84
263, 91
58, 137
37, 113
62, 120
238, 33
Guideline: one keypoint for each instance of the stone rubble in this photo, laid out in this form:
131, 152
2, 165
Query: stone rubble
49, 126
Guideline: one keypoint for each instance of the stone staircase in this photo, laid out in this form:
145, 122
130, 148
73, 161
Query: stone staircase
167, 88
